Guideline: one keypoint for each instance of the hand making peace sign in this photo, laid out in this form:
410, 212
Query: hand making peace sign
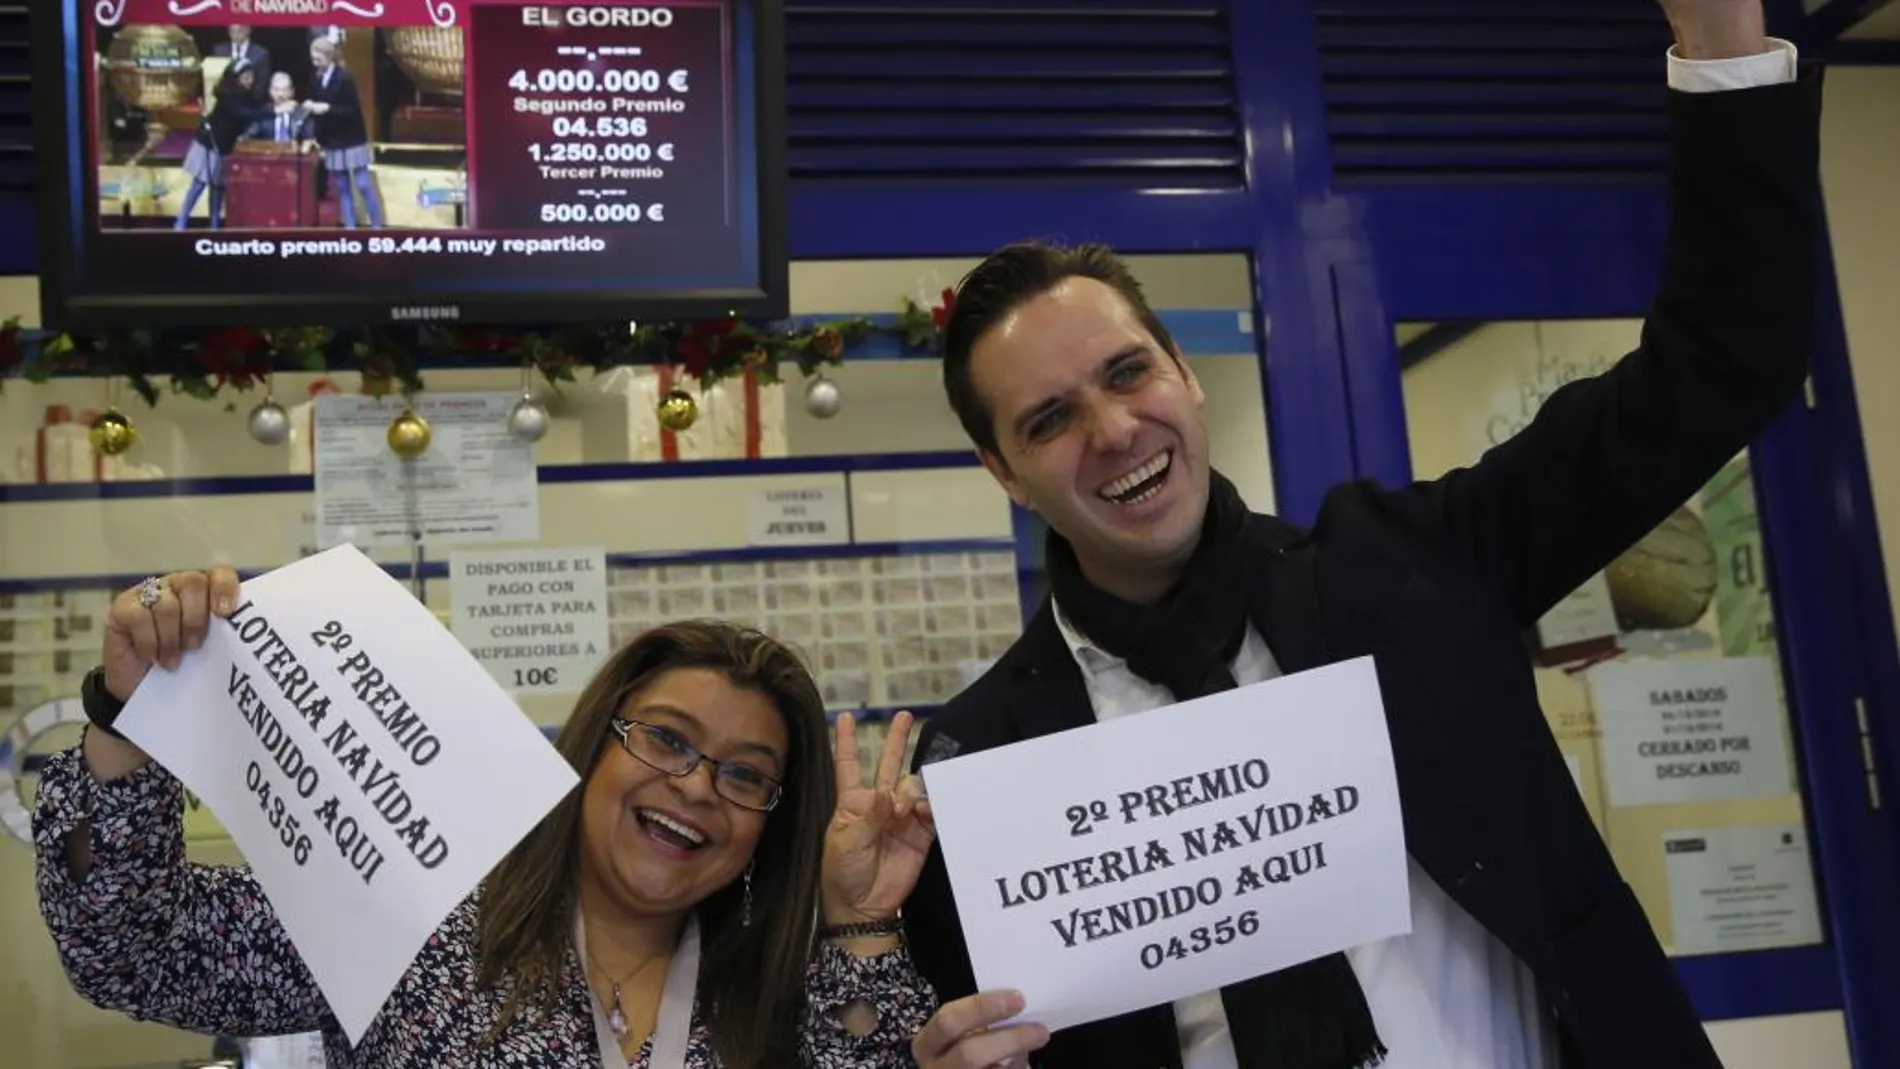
879, 835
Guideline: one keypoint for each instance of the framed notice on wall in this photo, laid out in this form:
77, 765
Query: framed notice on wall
1693, 730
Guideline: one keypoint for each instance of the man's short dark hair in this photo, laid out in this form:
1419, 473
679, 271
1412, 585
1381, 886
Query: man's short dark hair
1004, 282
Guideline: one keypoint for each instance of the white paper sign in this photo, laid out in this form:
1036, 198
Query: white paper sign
1734, 889
1152, 857
800, 516
475, 483
535, 618
1690, 730
369, 769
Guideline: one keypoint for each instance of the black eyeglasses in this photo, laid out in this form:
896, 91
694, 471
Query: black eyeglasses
662, 750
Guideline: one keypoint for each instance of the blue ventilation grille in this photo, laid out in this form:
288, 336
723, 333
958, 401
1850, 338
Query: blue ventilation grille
16, 109
1511, 90
1121, 93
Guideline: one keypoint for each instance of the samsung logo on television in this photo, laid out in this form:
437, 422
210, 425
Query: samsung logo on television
425, 311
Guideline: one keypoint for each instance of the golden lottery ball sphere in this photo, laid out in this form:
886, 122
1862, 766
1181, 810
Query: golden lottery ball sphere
1667, 580
154, 67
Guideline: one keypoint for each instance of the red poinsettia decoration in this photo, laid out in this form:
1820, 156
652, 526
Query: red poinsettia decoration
705, 341
486, 340
11, 354
941, 314
237, 355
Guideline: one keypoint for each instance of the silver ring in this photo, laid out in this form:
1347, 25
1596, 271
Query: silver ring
150, 591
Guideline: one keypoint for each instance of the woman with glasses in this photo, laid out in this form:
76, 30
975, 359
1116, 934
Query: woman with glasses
719, 892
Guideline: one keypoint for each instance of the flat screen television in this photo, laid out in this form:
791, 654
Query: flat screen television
363, 162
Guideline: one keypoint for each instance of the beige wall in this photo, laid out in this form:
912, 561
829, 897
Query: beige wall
1861, 173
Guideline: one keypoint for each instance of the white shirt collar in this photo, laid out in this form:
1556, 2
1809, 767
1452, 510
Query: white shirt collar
1088, 656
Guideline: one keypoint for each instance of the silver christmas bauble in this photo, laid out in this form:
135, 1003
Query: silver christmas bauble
822, 398
528, 420
269, 423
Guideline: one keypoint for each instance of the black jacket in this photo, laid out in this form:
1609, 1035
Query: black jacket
235, 112
257, 58
343, 126
1438, 582
302, 124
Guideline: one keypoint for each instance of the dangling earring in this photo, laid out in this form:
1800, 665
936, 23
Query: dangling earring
745, 912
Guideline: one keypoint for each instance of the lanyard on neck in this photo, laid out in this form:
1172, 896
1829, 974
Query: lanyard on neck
673, 1029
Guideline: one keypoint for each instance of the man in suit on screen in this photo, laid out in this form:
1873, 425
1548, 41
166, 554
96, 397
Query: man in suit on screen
1528, 950
241, 50
286, 120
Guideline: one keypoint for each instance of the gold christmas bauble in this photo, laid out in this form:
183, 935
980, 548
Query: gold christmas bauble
678, 411
112, 434
409, 435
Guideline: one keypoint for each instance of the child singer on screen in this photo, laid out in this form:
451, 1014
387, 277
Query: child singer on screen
341, 134
234, 109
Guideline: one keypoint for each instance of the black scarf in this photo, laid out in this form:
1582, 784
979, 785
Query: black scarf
1318, 1017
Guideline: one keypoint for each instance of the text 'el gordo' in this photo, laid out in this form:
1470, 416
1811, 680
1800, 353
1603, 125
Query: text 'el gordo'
619, 17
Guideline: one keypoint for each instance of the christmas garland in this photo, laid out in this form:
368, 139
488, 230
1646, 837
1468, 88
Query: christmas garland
205, 364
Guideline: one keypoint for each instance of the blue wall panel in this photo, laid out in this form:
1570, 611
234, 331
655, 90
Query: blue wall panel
1309, 420
847, 221
1477, 252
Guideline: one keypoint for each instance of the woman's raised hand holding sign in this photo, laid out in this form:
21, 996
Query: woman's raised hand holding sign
154, 623
159, 620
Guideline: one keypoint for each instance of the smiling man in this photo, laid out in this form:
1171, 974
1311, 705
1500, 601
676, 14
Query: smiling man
1528, 951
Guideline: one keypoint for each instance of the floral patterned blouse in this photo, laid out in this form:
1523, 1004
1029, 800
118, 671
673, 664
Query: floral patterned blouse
198, 947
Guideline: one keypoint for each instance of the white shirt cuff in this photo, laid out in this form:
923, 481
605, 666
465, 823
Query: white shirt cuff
1774, 67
